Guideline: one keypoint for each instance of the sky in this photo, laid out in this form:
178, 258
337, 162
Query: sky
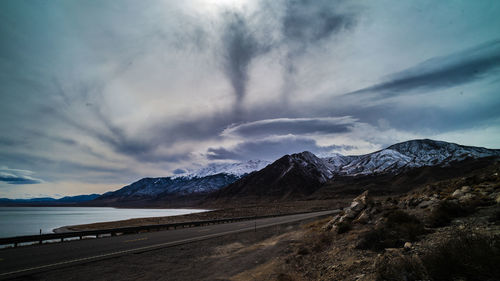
97, 94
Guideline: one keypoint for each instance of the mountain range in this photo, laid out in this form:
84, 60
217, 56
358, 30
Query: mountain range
50, 200
297, 175
302, 175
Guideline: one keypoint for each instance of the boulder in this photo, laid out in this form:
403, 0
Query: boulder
355, 212
465, 189
466, 197
363, 218
457, 193
426, 204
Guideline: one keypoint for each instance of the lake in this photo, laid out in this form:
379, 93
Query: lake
16, 221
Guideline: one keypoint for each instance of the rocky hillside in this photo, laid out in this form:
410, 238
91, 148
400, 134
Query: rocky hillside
445, 230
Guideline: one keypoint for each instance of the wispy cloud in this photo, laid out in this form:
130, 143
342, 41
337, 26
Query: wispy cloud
441, 72
291, 126
16, 176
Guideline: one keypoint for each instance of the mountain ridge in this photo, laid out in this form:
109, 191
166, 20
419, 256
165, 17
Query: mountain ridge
294, 175
310, 172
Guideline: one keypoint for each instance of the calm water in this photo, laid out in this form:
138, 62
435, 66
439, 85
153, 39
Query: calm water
15, 221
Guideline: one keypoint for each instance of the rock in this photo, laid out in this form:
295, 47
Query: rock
363, 218
329, 225
426, 204
407, 246
466, 197
497, 200
457, 193
465, 189
359, 277
363, 198
358, 205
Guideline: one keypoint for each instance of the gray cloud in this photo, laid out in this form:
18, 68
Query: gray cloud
271, 149
16, 176
179, 171
308, 22
240, 48
293, 126
442, 72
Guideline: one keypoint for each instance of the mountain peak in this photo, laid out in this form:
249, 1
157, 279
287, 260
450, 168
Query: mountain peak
235, 168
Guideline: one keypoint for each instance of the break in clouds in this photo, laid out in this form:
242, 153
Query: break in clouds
98, 94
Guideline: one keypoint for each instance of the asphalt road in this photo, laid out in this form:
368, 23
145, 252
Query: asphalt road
16, 262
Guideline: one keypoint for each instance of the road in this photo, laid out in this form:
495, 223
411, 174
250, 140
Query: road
16, 262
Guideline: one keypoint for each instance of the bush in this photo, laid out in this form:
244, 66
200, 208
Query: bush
400, 268
495, 217
343, 227
467, 256
446, 211
399, 228
322, 241
471, 257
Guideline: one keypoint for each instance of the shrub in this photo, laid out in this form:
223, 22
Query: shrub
343, 227
468, 256
400, 268
495, 217
446, 211
471, 257
399, 228
322, 241
284, 277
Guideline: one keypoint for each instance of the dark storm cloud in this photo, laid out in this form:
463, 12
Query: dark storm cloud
442, 72
15, 176
271, 149
310, 21
240, 48
179, 171
293, 126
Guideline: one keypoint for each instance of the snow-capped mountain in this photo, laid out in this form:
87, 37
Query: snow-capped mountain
302, 174
161, 188
409, 154
199, 182
237, 169
293, 175
299, 174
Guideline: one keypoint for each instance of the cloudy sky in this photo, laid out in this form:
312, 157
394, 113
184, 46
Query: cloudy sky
97, 94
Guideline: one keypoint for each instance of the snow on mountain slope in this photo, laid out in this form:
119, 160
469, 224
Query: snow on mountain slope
237, 169
299, 173
158, 188
309, 161
409, 154
205, 180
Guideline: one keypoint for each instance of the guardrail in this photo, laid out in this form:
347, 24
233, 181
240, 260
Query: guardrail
123, 230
